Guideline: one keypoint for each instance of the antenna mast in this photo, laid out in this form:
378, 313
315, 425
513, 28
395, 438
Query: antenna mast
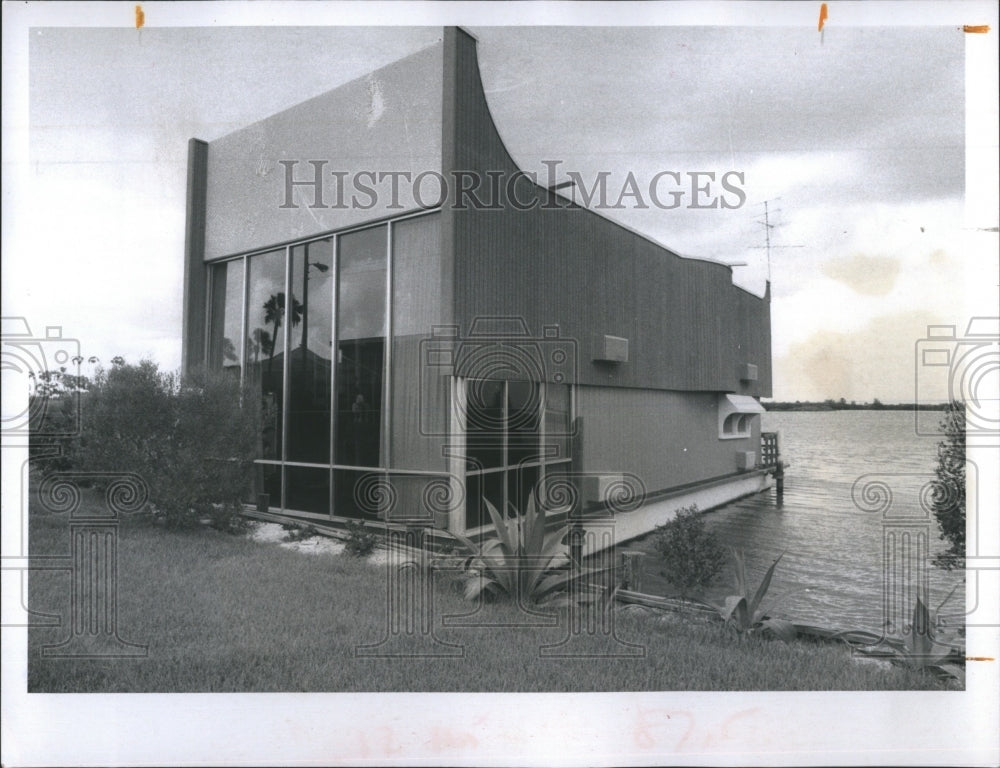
768, 226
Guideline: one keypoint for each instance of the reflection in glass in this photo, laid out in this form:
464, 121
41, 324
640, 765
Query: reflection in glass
522, 422
420, 388
485, 422
488, 487
269, 481
226, 331
356, 493
557, 418
520, 484
504, 442
308, 489
287, 316
475, 510
265, 344
361, 329
310, 352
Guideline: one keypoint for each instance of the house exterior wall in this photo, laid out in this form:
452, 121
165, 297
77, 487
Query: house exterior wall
389, 120
688, 326
665, 438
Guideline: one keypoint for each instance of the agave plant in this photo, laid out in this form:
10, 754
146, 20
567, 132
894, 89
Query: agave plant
921, 649
743, 611
522, 561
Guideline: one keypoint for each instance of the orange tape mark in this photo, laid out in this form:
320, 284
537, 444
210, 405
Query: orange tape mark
140, 16
976, 29
823, 14
979, 658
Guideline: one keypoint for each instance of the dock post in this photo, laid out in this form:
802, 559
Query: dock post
779, 482
630, 570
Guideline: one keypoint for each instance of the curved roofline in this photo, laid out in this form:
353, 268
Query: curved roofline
574, 204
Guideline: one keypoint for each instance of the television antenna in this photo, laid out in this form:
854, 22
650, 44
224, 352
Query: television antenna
768, 226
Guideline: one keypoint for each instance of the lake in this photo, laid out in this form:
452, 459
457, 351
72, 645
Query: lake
832, 570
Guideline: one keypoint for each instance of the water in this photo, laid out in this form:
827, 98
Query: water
832, 569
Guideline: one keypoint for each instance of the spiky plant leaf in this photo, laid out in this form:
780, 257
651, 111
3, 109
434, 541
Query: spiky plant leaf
735, 608
739, 569
534, 525
505, 536
762, 589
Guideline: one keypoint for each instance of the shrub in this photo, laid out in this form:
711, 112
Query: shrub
948, 503
298, 532
360, 541
53, 430
191, 440
229, 518
692, 555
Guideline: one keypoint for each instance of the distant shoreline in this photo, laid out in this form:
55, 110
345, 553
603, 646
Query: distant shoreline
833, 405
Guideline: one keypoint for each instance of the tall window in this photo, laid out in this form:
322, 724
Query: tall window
310, 353
225, 347
265, 345
516, 431
361, 331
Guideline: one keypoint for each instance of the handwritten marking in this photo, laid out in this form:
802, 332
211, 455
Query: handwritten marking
140, 17
653, 726
823, 14
976, 29
445, 738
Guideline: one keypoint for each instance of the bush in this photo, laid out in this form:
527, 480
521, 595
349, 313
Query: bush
360, 541
948, 503
53, 431
298, 532
191, 441
229, 518
692, 555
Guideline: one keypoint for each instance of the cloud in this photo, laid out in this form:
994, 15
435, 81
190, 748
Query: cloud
865, 363
872, 275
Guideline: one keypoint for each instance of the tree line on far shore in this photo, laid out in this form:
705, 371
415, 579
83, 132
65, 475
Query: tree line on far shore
844, 405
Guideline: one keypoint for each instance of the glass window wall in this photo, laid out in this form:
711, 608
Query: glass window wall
309, 329
361, 332
265, 346
311, 352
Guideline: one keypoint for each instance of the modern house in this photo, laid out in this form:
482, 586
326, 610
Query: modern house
442, 346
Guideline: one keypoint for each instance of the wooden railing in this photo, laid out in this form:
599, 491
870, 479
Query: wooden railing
769, 455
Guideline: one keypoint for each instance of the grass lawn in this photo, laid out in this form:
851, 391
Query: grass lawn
224, 613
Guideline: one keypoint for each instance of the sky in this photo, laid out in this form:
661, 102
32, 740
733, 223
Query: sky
856, 137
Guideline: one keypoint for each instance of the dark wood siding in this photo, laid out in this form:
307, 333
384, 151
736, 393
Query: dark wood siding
688, 326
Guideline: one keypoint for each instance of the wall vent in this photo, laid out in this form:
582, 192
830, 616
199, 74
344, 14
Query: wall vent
748, 372
596, 488
746, 460
611, 349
